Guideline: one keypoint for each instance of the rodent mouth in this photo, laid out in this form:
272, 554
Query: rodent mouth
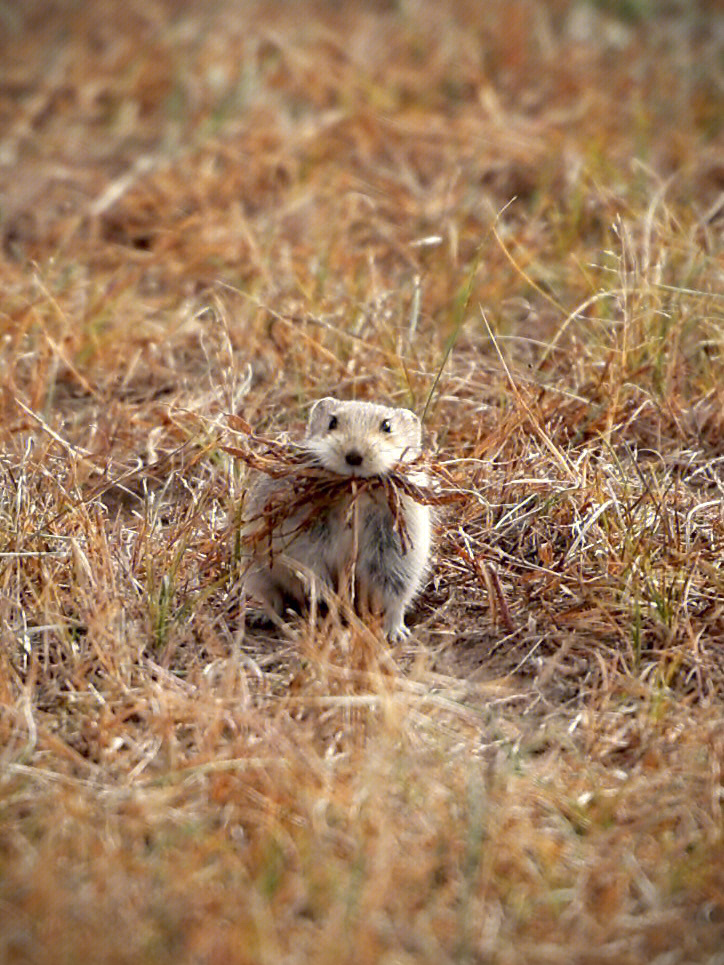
342, 468
355, 472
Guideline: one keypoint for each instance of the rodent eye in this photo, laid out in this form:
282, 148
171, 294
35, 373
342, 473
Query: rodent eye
333, 422
386, 425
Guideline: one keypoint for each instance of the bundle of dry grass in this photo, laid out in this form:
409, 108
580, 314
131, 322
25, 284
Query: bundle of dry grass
312, 488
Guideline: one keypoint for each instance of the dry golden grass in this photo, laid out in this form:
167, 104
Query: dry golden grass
235, 209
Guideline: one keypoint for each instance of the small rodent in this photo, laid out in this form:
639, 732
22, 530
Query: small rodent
358, 439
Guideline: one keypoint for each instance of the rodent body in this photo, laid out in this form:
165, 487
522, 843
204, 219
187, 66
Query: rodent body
348, 537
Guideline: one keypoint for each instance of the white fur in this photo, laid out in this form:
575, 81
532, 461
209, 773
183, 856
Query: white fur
347, 438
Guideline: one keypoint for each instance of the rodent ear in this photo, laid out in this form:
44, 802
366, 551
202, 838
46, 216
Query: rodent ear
318, 414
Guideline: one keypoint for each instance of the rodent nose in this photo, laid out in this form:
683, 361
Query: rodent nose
353, 458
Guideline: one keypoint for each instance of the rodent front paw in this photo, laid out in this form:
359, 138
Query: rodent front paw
397, 632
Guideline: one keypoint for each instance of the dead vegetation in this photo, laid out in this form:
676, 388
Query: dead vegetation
237, 209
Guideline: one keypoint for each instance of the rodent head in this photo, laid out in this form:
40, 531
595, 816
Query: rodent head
361, 438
